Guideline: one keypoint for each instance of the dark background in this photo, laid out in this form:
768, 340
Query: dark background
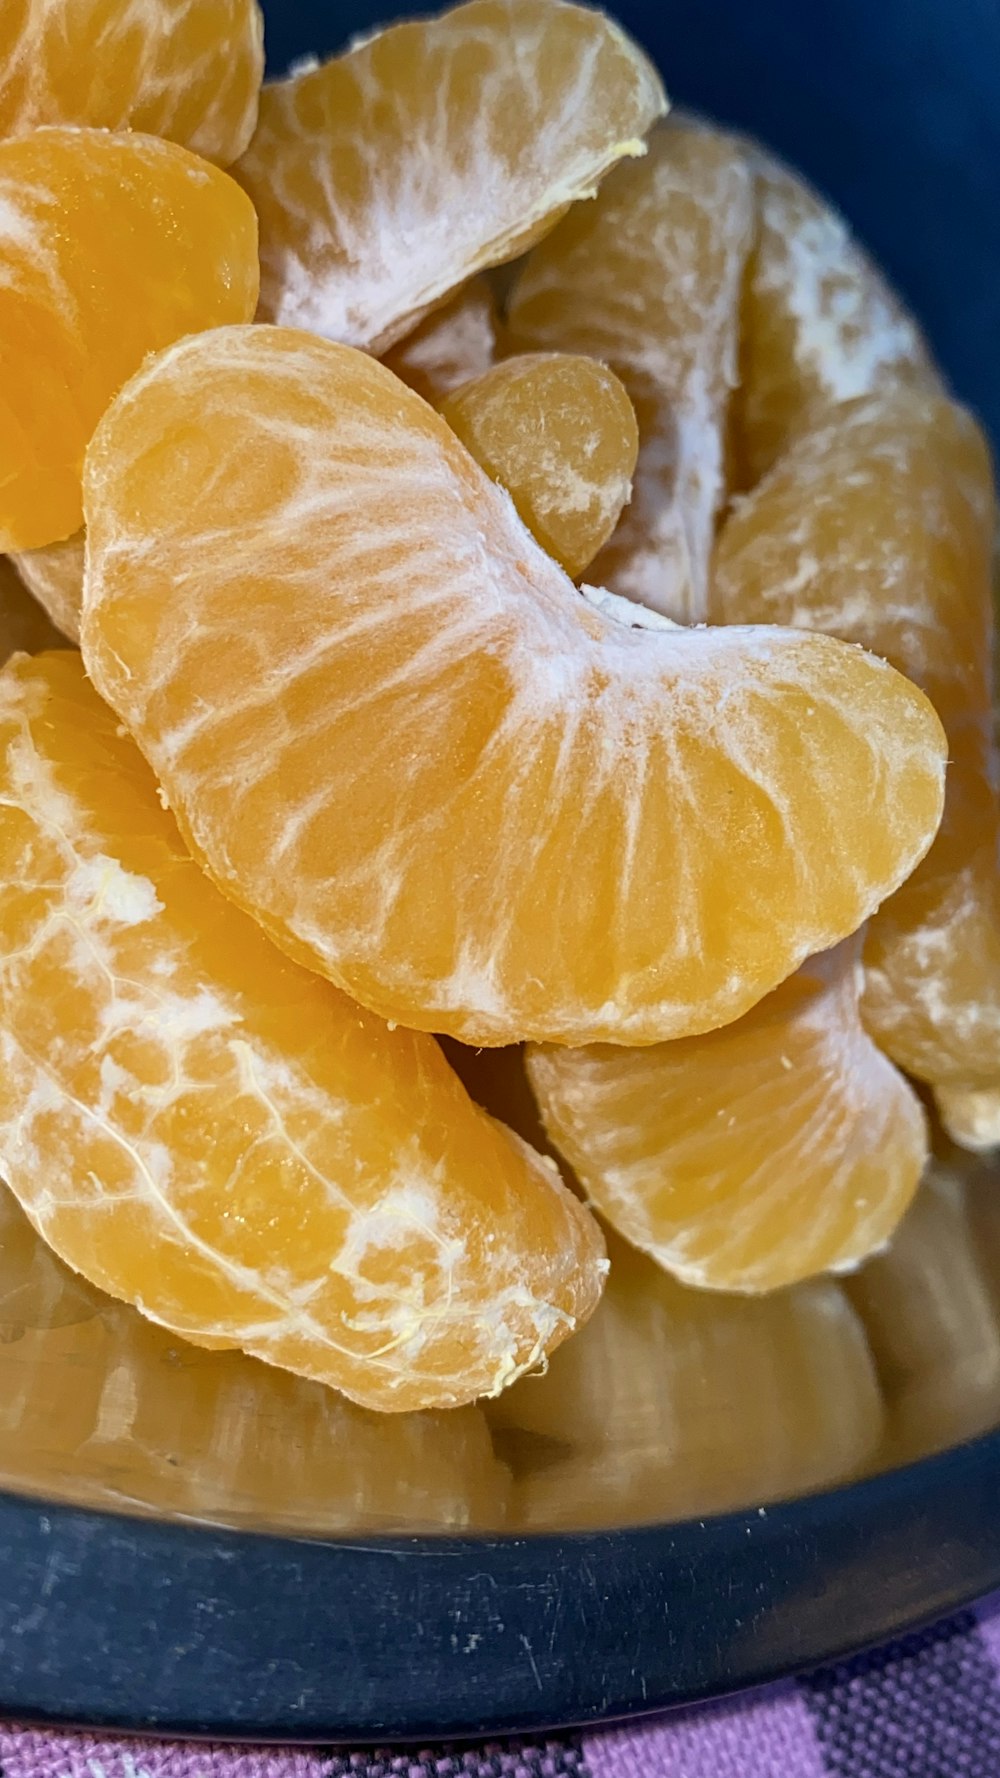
891, 106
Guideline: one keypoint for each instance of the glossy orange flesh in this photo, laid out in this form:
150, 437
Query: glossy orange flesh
477, 800
203, 1128
110, 247
782, 1146
647, 279
100, 1408
932, 1322
189, 70
387, 177
879, 527
559, 433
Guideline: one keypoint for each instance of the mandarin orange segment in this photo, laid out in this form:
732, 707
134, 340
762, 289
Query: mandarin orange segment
386, 178
479, 801
780, 1147
970, 1115
831, 540
559, 433
878, 527
186, 69
648, 280
932, 961
100, 1408
110, 247
932, 1323
205, 1129
24, 625
670, 1404
820, 325
54, 577
451, 345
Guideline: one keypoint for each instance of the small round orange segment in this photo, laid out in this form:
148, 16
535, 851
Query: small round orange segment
203, 1128
479, 801
647, 279
110, 248
387, 177
559, 433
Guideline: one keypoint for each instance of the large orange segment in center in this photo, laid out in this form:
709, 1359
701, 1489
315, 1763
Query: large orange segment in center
393, 730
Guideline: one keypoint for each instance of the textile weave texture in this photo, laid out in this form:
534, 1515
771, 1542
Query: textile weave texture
926, 1706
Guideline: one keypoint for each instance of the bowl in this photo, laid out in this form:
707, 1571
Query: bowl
192, 1544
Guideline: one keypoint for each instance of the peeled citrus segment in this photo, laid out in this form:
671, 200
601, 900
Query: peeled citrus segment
559, 433
932, 961
23, 623
201, 1127
647, 279
451, 345
54, 576
878, 527
186, 69
672, 1404
110, 247
971, 1116
387, 177
932, 1324
830, 540
432, 769
781, 1147
100, 1408
820, 325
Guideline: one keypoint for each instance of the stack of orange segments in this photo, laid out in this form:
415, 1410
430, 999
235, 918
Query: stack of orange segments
528, 581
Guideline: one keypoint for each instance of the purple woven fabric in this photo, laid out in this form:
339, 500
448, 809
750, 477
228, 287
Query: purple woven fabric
927, 1706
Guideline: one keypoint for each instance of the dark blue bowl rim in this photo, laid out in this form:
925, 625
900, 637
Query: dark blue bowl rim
162, 1627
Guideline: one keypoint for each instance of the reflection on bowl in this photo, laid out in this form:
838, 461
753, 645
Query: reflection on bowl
674, 1402
102, 1408
671, 1403
931, 1306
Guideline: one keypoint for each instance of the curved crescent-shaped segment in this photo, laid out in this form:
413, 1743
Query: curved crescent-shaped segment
393, 730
